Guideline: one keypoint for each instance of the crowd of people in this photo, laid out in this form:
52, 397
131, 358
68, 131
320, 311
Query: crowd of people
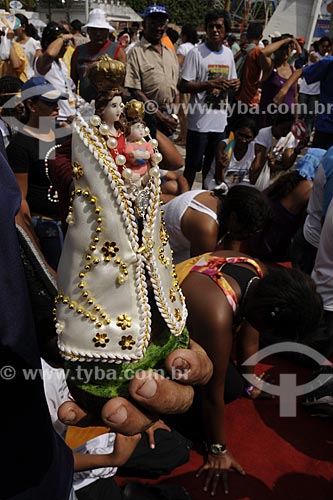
255, 119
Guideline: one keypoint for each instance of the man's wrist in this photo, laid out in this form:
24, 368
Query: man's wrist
216, 448
159, 115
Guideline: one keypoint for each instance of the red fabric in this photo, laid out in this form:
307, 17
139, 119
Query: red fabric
92, 50
117, 51
284, 458
249, 91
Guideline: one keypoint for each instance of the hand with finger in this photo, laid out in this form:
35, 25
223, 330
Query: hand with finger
217, 467
151, 395
159, 424
257, 390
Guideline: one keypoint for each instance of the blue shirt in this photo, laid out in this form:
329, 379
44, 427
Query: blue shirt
322, 72
327, 164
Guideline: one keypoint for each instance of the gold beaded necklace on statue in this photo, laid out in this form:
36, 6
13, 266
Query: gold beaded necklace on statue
111, 141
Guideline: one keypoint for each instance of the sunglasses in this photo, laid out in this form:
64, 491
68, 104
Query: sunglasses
219, 27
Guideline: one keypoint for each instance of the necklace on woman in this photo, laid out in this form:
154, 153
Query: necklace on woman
52, 193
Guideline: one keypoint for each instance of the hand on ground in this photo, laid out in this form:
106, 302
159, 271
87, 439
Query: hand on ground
217, 467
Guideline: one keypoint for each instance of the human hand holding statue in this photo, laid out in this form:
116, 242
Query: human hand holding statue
151, 395
120, 309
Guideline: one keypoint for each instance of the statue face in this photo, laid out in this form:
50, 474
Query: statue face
113, 110
137, 132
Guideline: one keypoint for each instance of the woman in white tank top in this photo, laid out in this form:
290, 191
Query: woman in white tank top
197, 220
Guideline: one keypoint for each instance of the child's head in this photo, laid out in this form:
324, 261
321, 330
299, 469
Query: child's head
135, 131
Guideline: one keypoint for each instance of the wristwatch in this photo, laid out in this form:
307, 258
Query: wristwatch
217, 449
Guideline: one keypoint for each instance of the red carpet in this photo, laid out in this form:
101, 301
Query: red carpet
285, 458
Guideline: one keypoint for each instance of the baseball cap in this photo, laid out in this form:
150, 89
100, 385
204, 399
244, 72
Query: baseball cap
301, 40
155, 9
37, 86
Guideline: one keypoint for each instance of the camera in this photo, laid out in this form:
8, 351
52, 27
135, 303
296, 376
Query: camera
277, 154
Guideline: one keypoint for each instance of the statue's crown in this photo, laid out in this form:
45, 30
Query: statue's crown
106, 73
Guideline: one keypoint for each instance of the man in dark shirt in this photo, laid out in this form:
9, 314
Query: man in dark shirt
26, 427
84, 55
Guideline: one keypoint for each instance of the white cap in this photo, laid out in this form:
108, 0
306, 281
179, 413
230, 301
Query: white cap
276, 34
97, 19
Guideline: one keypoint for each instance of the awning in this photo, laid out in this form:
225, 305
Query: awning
118, 13
123, 19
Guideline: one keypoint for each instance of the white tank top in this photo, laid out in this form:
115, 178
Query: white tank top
173, 215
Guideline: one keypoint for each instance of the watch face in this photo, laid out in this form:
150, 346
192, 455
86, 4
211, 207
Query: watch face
217, 449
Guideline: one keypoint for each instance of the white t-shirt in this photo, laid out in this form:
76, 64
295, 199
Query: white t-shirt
59, 77
57, 392
183, 50
237, 170
265, 138
206, 112
30, 48
322, 273
310, 88
130, 46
